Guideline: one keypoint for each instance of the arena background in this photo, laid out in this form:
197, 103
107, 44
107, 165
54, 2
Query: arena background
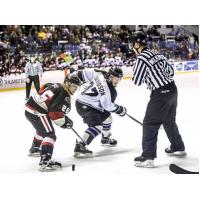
21, 186
71, 47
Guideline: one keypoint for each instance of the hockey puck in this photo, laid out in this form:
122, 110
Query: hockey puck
73, 167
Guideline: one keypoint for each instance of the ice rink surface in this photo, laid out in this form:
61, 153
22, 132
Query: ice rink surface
110, 169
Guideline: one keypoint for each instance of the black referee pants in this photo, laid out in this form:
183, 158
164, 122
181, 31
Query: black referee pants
36, 81
161, 109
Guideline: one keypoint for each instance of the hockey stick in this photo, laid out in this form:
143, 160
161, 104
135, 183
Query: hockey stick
139, 121
134, 119
78, 135
178, 170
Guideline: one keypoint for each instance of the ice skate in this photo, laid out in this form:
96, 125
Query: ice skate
81, 151
34, 152
171, 152
47, 165
108, 141
144, 162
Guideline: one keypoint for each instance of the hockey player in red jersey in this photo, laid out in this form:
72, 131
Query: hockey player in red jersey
51, 105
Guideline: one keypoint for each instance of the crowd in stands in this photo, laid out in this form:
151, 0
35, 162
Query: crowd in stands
58, 47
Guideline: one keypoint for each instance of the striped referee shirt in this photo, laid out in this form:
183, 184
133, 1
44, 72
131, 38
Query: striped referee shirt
33, 69
153, 69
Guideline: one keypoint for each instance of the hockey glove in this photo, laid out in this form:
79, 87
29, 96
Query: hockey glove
68, 123
121, 111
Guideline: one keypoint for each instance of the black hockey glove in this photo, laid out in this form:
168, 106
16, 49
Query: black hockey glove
68, 123
121, 111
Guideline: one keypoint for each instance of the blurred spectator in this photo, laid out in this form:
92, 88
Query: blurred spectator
196, 39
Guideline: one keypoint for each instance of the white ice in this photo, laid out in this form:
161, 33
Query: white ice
16, 135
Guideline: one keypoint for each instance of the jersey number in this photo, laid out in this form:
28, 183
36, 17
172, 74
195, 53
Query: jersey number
90, 90
65, 109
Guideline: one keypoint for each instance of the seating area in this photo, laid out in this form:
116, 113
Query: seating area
97, 42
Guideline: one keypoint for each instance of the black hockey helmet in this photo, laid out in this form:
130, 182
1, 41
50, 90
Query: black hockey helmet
139, 36
73, 78
116, 71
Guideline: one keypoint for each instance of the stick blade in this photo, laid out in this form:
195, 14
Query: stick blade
178, 170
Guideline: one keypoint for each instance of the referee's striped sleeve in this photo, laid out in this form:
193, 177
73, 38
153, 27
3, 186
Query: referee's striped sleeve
139, 72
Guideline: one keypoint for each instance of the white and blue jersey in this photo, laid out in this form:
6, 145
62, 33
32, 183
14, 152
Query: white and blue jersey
98, 93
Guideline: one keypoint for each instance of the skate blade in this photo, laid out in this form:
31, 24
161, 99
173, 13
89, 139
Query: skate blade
49, 169
148, 164
34, 154
178, 153
81, 155
109, 145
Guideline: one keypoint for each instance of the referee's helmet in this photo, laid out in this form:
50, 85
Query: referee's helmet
139, 37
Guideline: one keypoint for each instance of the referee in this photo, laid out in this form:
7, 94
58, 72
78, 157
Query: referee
32, 70
153, 69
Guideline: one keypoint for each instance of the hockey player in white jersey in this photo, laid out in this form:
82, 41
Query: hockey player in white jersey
95, 105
